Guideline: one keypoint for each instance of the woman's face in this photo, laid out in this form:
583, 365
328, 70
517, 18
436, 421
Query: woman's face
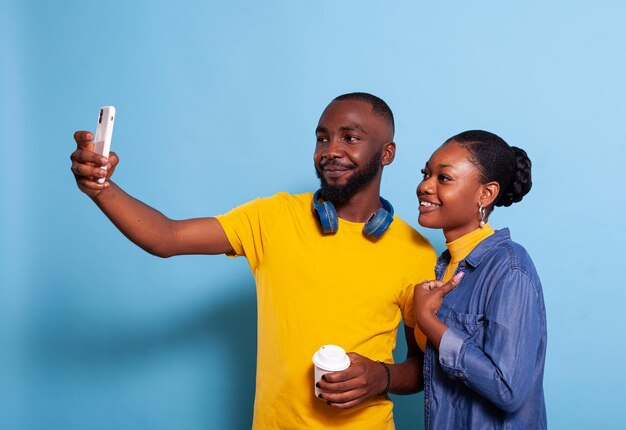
450, 193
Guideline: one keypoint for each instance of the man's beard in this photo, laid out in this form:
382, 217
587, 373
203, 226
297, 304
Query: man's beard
341, 193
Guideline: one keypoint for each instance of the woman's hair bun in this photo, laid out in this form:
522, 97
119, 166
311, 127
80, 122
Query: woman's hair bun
521, 180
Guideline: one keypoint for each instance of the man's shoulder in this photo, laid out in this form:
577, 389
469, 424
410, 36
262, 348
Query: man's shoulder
287, 202
403, 228
409, 238
282, 198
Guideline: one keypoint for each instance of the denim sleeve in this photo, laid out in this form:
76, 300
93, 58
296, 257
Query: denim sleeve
502, 369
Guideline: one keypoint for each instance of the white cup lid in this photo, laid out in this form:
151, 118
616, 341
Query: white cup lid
331, 358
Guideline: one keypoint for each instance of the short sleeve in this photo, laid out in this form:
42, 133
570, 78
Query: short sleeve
246, 227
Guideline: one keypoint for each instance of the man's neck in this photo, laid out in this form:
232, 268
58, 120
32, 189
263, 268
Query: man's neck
360, 206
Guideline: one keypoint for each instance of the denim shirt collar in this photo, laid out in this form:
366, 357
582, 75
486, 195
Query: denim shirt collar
476, 255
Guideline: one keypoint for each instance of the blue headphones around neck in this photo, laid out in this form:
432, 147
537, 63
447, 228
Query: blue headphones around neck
374, 227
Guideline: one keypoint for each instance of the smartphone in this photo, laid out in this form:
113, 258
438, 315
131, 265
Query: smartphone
104, 132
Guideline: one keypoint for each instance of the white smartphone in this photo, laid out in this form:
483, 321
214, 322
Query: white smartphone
104, 132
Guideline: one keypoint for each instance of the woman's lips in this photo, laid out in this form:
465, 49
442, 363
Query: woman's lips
426, 207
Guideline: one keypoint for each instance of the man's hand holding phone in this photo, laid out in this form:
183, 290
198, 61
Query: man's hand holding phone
92, 162
88, 166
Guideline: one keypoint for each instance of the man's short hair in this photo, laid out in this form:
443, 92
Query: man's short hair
379, 107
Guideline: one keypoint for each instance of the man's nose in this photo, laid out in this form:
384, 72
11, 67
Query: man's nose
334, 148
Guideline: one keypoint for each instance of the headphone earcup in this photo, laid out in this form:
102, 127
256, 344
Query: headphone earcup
377, 223
327, 216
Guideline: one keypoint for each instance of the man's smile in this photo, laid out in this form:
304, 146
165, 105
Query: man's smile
334, 169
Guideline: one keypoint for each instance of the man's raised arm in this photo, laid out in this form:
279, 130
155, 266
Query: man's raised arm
142, 224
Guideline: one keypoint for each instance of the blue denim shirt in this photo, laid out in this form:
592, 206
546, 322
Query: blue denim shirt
488, 372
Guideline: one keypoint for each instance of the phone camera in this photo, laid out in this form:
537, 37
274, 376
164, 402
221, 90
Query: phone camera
100, 117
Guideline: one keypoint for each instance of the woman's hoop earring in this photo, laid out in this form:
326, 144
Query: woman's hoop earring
481, 214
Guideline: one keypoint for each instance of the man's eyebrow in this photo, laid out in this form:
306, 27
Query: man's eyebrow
353, 127
321, 130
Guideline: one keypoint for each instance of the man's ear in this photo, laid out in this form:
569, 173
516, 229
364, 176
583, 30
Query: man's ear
488, 193
389, 153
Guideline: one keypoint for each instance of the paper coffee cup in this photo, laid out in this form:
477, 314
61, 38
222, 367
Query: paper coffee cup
327, 359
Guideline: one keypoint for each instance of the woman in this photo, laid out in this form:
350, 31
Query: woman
486, 326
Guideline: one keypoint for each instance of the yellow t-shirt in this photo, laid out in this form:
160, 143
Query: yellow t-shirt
315, 289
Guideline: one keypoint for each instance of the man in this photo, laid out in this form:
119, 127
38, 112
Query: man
323, 276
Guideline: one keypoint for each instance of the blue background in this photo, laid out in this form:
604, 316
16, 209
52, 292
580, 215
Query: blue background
217, 104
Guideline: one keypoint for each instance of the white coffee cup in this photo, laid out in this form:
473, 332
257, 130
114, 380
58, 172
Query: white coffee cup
327, 359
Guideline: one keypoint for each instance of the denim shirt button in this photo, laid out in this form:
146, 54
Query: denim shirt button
426, 369
461, 374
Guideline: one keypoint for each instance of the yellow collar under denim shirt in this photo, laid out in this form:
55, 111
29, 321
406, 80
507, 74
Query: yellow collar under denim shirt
461, 247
